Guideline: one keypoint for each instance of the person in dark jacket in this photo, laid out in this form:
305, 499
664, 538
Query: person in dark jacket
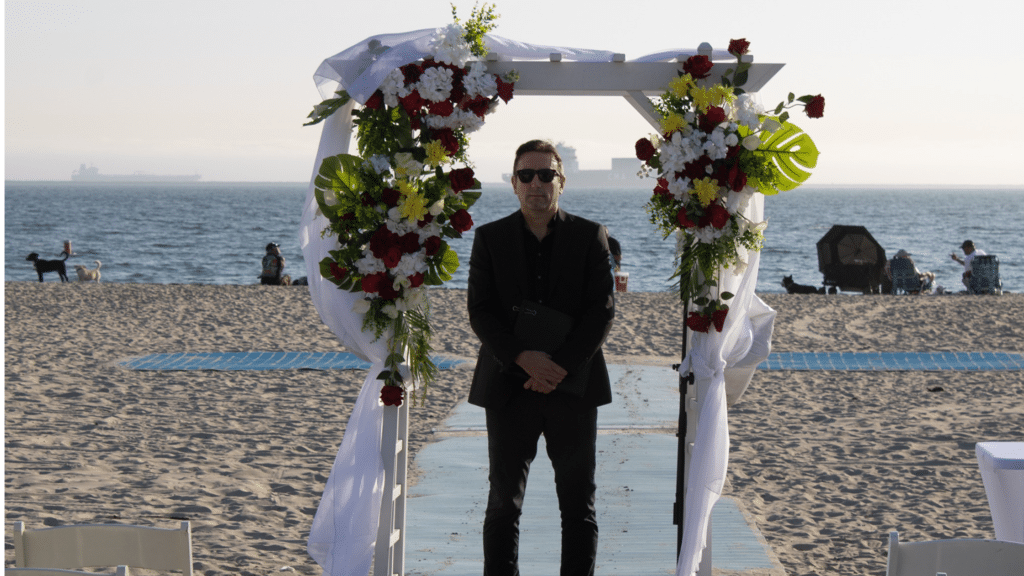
540, 257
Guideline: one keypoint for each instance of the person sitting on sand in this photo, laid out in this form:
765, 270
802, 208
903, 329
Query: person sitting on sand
969, 253
927, 279
273, 266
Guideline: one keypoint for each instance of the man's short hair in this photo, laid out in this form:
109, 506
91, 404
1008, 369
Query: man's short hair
545, 146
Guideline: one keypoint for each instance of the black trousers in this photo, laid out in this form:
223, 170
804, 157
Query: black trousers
570, 432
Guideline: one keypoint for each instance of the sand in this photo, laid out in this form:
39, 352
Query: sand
825, 462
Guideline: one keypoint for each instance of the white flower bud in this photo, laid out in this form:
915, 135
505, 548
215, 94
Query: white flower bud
752, 142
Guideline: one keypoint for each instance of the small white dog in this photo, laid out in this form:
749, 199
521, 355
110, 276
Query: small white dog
86, 275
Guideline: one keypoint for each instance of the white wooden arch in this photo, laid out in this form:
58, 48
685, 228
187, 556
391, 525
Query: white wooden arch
558, 73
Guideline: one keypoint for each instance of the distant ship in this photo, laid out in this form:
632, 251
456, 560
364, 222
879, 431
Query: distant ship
92, 174
622, 175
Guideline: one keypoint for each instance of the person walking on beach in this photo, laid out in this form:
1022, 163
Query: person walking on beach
540, 260
273, 266
969, 253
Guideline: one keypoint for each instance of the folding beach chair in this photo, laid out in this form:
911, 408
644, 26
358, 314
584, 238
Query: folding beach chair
104, 545
958, 557
904, 276
985, 275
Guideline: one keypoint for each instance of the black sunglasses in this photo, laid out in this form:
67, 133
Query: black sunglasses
545, 174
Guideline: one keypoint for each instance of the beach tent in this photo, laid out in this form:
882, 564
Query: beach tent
350, 521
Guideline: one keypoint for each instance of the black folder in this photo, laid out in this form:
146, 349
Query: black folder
543, 328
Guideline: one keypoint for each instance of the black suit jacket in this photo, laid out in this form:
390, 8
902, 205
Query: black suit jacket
580, 285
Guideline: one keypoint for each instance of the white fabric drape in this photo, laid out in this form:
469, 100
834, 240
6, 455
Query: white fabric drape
344, 529
362, 68
723, 364
345, 526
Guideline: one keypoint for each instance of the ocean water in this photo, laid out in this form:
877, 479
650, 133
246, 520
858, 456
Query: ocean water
215, 233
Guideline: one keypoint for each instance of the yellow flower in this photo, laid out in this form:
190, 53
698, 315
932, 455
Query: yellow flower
413, 206
715, 95
705, 189
672, 122
680, 85
436, 153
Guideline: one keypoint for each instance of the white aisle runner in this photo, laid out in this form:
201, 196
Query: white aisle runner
636, 479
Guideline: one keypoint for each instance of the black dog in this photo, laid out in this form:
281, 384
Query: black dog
794, 288
43, 266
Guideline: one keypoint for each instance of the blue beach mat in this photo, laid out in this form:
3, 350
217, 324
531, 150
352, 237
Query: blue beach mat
259, 361
893, 361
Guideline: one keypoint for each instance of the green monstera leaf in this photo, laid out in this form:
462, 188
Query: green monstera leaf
338, 175
793, 154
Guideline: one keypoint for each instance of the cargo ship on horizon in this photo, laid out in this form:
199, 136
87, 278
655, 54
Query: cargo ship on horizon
92, 174
622, 175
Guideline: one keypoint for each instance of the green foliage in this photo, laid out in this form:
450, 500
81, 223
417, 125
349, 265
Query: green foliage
481, 21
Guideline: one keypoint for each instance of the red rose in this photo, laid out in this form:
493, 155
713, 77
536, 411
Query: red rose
697, 66
432, 245
479, 105
375, 101
386, 290
427, 219
442, 108
338, 272
391, 395
461, 221
698, 323
644, 149
698, 168
461, 179
684, 219
662, 188
412, 103
381, 240
713, 117
716, 215
447, 139
412, 72
504, 89
371, 283
739, 47
718, 318
410, 242
347, 216
416, 280
731, 176
390, 197
816, 107
366, 199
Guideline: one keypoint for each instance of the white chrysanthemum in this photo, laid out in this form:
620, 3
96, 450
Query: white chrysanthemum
411, 264
435, 84
450, 45
379, 164
369, 264
709, 234
732, 139
407, 166
679, 187
391, 310
394, 88
747, 110
715, 146
479, 82
414, 299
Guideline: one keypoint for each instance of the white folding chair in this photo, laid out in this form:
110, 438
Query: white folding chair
99, 545
957, 557
121, 571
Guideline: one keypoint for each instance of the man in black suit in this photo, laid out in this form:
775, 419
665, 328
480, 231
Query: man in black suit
540, 254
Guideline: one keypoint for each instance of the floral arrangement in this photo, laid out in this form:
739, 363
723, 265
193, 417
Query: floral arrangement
716, 149
393, 206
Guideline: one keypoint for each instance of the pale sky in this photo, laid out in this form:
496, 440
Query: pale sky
917, 92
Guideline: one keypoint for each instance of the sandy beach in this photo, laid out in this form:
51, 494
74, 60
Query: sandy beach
826, 462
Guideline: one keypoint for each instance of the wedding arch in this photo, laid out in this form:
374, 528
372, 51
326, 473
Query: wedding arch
361, 516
